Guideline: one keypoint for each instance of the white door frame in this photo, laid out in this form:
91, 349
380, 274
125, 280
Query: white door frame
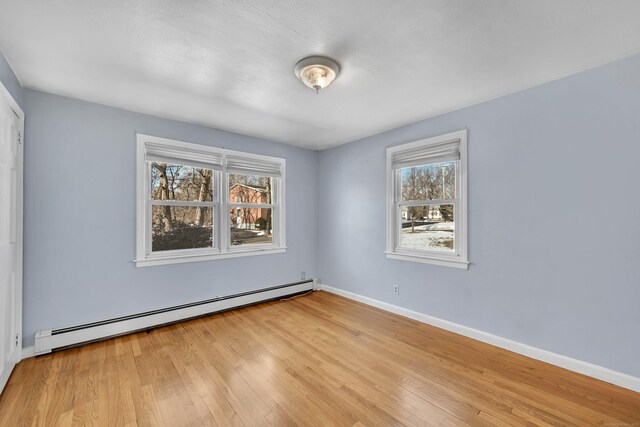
5, 95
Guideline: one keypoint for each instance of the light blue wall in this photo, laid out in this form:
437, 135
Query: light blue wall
554, 219
80, 217
9, 80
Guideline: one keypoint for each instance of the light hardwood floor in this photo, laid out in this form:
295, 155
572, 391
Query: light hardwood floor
314, 360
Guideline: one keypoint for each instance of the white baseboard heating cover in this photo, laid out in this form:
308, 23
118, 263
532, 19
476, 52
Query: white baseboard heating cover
55, 339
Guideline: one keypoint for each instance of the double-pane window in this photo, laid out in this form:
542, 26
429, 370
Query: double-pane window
197, 202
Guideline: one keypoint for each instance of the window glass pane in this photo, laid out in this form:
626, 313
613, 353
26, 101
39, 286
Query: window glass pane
186, 183
250, 189
429, 182
181, 227
251, 225
428, 228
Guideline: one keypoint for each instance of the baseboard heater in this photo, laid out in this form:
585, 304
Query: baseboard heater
57, 339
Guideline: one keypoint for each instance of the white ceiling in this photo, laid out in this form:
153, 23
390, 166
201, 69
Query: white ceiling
228, 64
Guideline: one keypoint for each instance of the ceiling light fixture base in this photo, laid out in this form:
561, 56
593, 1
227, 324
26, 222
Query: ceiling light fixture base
317, 72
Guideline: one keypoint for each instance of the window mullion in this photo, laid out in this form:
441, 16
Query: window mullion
225, 227
275, 212
147, 209
459, 215
398, 197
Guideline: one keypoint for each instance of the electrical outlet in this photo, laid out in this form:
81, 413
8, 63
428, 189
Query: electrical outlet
396, 290
303, 276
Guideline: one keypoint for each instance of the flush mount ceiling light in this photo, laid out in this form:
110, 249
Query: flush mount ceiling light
317, 72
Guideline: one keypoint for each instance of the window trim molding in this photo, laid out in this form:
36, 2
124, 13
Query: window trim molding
220, 249
393, 251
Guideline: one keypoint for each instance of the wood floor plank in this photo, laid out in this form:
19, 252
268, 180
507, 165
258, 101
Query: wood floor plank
405, 406
317, 359
283, 367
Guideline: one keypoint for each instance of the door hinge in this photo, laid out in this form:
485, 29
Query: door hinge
19, 137
17, 339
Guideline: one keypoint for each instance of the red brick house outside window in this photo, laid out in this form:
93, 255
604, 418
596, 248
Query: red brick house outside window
245, 217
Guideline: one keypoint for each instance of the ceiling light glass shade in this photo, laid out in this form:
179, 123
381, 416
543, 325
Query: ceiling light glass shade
317, 72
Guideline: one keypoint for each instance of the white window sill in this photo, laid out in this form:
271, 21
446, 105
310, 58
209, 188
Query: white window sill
463, 265
206, 257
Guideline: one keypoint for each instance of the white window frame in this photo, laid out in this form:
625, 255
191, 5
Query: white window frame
220, 205
457, 259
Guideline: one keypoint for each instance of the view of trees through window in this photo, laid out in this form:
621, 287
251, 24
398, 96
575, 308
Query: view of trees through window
428, 226
250, 224
189, 223
182, 202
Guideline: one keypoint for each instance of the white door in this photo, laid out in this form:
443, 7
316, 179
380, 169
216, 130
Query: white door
10, 235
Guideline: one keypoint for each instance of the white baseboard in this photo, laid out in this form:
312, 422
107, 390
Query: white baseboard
589, 369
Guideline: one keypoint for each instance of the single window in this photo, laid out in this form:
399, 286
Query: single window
184, 190
426, 200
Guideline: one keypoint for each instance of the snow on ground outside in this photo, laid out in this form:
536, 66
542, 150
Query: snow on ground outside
433, 237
